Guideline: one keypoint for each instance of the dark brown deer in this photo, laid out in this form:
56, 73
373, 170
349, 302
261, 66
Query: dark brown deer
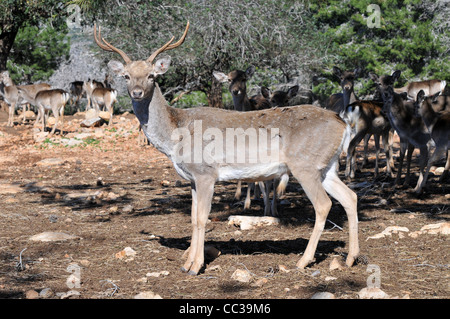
367, 118
438, 124
303, 149
339, 101
410, 128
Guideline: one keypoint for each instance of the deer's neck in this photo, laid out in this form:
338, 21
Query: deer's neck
348, 97
157, 120
429, 116
241, 102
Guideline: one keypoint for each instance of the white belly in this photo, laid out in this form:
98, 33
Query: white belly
252, 172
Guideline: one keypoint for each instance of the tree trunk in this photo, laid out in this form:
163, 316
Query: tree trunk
214, 94
6, 43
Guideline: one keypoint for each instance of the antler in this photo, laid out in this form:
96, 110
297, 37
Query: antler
107, 46
168, 45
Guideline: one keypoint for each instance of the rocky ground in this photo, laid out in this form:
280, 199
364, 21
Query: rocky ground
92, 214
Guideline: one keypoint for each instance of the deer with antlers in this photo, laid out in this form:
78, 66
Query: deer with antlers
299, 146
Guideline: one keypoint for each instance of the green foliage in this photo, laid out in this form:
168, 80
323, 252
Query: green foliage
37, 52
404, 40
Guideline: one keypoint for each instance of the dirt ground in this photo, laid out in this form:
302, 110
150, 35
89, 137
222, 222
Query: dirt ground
111, 193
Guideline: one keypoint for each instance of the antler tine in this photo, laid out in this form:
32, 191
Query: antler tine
107, 46
160, 50
169, 46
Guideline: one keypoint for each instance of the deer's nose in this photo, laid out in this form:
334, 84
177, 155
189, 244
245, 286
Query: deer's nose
137, 93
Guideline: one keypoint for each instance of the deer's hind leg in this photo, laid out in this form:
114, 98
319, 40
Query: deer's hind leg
348, 199
310, 180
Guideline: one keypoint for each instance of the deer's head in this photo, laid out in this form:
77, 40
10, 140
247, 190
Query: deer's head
237, 80
139, 75
385, 84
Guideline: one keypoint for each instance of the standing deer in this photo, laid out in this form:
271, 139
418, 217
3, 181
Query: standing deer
410, 128
104, 98
339, 101
15, 96
438, 125
238, 88
366, 118
52, 100
76, 91
279, 98
310, 159
429, 87
89, 86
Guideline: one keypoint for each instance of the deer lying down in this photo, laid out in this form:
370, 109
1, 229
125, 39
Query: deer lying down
303, 149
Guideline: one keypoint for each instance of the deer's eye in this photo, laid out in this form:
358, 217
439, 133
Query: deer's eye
126, 76
151, 77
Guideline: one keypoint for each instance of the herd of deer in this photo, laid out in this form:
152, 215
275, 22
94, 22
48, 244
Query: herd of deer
311, 138
45, 99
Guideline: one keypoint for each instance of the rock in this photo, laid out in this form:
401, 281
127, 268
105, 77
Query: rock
389, 231
165, 183
372, 293
249, 222
69, 294
127, 251
260, 282
128, 209
157, 274
323, 295
241, 276
29, 115
46, 293
52, 236
90, 114
439, 171
10, 189
94, 122
104, 115
337, 264
147, 295
439, 228
51, 162
31, 294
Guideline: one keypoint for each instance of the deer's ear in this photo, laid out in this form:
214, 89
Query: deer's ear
162, 65
265, 92
250, 71
373, 77
396, 75
220, 76
117, 67
337, 71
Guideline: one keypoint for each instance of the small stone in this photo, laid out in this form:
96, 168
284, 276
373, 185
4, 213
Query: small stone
127, 209
52, 236
147, 295
260, 282
372, 293
337, 264
241, 276
283, 268
165, 183
51, 162
323, 295
46, 293
31, 294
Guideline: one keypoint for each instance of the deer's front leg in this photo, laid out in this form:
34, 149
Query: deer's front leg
202, 192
